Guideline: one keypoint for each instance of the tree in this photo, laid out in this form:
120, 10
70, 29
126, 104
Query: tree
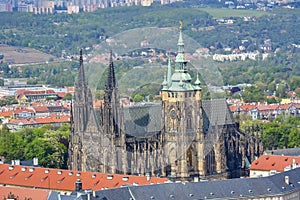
252, 94
271, 100
294, 82
50, 146
68, 96
283, 132
138, 98
281, 90
11, 145
294, 138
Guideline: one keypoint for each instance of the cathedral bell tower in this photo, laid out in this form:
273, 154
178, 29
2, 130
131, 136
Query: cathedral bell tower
182, 119
80, 112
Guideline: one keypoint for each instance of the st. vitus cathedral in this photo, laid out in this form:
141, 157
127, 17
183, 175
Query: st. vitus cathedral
183, 137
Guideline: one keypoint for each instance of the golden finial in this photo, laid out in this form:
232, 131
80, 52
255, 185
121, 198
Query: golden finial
180, 25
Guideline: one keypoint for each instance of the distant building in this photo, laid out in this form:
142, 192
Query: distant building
284, 152
267, 165
35, 95
54, 120
64, 180
10, 90
266, 111
4, 7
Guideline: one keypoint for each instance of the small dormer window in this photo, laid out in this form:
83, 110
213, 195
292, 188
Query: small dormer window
110, 177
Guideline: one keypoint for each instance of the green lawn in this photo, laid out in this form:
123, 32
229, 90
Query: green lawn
223, 12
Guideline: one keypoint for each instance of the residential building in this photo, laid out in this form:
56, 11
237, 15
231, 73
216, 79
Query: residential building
54, 120
266, 111
267, 165
64, 180
283, 186
35, 95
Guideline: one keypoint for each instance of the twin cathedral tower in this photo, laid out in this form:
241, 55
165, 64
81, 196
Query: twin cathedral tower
181, 137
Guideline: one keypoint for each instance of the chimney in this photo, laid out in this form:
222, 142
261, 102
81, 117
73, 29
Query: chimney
78, 185
294, 165
196, 179
148, 176
17, 162
287, 180
35, 161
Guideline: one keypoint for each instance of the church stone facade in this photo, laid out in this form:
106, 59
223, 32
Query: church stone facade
183, 137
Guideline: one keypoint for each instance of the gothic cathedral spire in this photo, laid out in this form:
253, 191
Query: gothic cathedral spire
180, 80
111, 79
111, 102
79, 115
181, 113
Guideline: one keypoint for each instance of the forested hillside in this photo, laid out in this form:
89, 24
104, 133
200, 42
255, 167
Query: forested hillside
54, 33
59, 33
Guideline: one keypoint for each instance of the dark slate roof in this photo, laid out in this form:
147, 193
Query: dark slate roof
111, 194
219, 189
216, 112
285, 152
57, 109
119, 193
145, 120
53, 195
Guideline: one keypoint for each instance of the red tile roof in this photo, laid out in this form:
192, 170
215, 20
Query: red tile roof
284, 106
61, 94
19, 110
64, 180
42, 120
41, 109
273, 162
11, 113
22, 92
70, 89
98, 103
51, 119
263, 107
24, 193
7, 113
244, 107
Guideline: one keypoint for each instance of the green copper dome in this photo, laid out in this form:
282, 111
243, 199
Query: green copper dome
181, 79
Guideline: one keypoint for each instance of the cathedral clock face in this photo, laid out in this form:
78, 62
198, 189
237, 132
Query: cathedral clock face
173, 114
